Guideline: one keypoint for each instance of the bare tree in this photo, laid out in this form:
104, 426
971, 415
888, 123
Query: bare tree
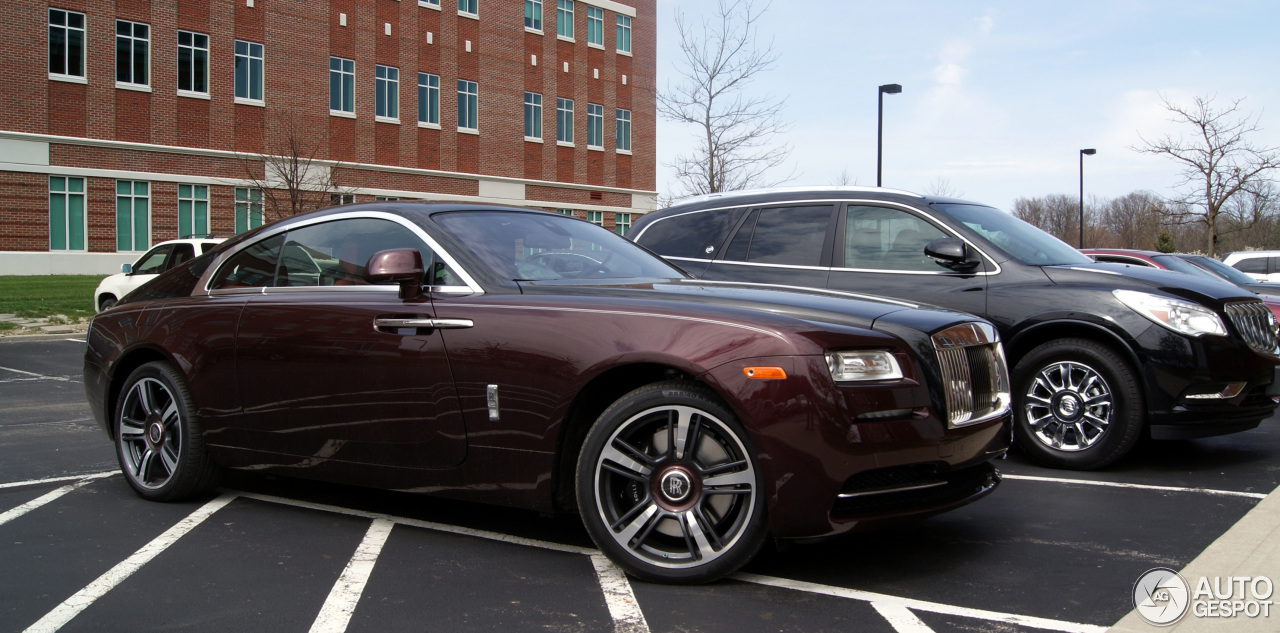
1132, 220
1220, 166
720, 56
290, 173
942, 188
1055, 214
844, 179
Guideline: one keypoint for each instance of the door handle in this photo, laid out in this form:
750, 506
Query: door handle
437, 324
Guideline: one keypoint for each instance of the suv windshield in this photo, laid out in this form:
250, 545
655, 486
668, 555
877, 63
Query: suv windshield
1016, 238
541, 247
1232, 275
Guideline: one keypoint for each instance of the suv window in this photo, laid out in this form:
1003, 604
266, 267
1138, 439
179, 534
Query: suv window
783, 235
1256, 265
152, 263
880, 238
181, 253
694, 235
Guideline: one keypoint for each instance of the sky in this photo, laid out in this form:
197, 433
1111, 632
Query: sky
999, 97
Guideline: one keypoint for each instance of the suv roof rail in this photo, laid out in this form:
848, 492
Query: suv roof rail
797, 189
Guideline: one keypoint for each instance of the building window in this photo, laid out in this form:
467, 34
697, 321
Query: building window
621, 223
564, 18
386, 100
193, 210
193, 62
532, 115
468, 7
66, 43
568, 212
248, 209
435, 4
533, 14
133, 53
624, 33
595, 126
342, 198
248, 71
342, 85
468, 105
66, 213
596, 217
564, 120
428, 99
595, 26
623, 130
385, 198
132, 225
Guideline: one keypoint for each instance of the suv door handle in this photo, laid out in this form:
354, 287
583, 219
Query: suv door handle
437, 324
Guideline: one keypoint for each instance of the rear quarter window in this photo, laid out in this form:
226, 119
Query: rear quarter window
1256, 265
694, 235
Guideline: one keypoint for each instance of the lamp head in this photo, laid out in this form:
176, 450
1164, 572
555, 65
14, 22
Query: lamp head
892, 89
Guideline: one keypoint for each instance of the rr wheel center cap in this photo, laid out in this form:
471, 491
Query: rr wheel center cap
155, 434
675, 486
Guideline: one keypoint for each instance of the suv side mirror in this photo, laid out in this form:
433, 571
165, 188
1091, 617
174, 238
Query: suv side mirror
402, 266
951, 252
126, 269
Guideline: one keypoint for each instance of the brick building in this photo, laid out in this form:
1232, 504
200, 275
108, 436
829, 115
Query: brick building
130, 122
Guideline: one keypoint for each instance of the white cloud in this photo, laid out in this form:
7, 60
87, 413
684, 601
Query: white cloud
950, 70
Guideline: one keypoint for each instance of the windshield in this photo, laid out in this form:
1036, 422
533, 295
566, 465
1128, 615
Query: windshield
1175, 263
1222, 270
1016, 238
541, 247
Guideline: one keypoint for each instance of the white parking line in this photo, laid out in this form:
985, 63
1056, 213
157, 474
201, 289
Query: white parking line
345, 595
619, 597
921, 605
71, 607
14, 513
54, 480
1115, 484
35, 375
901, 618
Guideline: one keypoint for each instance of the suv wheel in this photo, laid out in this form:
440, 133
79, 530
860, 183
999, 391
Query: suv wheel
1077, 405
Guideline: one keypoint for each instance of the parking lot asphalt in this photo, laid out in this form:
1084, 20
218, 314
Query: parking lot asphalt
1050, 550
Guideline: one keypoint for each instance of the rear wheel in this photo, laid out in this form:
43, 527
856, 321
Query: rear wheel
106, 302
669, 487
159, 444
1078, 405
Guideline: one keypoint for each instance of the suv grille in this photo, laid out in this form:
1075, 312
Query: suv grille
974, 376
1254, 321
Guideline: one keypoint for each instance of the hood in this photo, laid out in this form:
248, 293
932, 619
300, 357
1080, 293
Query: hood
1113, 276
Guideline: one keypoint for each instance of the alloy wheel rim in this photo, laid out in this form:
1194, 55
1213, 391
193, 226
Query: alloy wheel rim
150, 436
675, 487
1068, 406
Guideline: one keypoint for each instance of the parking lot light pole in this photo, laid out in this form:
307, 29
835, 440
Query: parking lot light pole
892, 89
1083, 153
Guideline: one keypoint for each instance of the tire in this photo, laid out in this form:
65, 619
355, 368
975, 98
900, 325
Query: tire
159, 443
106, 303
1077, 405
664, 513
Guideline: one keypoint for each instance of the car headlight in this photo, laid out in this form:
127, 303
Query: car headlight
863, 365
1180, 316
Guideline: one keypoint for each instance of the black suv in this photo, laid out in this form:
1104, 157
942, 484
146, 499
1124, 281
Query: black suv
1099, 351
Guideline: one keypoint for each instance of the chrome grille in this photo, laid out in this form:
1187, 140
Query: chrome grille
1256, 323
975, 379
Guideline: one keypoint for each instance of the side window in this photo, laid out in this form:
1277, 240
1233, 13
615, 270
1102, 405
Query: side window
1255, 265
335, 253
181, 253
879, 238
207, 246
152, 263
1275, 264
790, 235
253, 267
694, 235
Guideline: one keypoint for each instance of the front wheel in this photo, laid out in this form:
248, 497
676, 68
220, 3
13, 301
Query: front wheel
1078, 405
159, 444
669, 487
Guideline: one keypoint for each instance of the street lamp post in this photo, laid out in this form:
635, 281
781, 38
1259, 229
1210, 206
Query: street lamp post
892, 89
1083, 153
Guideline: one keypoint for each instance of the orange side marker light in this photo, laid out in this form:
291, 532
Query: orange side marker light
765, 373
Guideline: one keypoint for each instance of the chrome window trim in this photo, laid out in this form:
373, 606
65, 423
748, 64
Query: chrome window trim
1128, 260
471, 286
882, 203
838, 293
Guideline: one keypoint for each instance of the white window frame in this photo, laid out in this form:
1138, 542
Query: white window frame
596, 217
345, 78
564, 20
386, 99
430, 4
568, 212
252, 204
536, 5
194, 48
249, 59
133, 197
428, 90
468, 96
595, 126
623, 27
472, 10
564, 121
134, 41
197, 203
622, 122
621, 223
66, 194
595, 18
67, 30
533, 114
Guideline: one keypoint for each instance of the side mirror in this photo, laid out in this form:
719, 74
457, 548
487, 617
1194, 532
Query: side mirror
126, 269
402, 266
951, 252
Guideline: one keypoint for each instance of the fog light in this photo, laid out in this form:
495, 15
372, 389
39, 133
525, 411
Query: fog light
1232, 390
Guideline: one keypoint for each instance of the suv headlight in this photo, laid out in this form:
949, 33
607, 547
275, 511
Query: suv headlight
863, 365
1180, 316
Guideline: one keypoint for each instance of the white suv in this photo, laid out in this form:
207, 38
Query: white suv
1261, 265
162, 257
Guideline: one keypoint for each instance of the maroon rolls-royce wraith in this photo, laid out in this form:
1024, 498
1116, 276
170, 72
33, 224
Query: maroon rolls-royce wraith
526, 358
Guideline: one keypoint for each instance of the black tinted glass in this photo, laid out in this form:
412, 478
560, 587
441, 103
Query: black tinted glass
253, 267
790, 235
695, 235
335, 253
1016, 238
741, 244
1256, 265
152, 263
180, 281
